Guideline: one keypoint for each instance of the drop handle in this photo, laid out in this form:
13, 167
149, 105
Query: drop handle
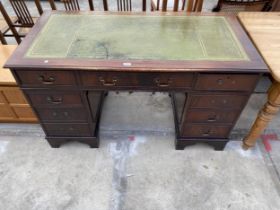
106, 83
51, 100
46, 81
220, 82
206, 133
163, 84
212, 118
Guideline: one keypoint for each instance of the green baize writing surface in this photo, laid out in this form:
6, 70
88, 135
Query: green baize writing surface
136, 37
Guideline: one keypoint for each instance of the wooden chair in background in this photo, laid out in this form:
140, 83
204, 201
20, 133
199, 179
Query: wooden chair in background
235, 6
71, 5
164, 5
4, 28
20, 25
124, 5
194, 5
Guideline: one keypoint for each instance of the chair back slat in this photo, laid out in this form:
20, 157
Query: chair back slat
26, 12
144, 5
176, 5
105, 5
9, 22
164, 5
71, 5
39, 6
194, 5
52, 4
124, 5
22, 13
91, 7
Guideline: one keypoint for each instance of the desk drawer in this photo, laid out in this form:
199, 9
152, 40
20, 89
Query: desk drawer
234, 82
205, 131
211, 116
54, 98
46, 78
168, 80
218, 101
61, 129
62, 114
130, 79
109, 79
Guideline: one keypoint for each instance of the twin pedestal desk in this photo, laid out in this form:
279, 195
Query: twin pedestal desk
69, 61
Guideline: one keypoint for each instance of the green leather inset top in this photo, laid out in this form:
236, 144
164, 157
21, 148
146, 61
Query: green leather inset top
136, 37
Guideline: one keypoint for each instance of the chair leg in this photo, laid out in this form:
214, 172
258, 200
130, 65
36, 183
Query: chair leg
183, 4
2, 39
10, 23
217, 8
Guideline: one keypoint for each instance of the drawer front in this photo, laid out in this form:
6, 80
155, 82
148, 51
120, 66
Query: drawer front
128, 79
167, 80
218, 101
109, 79
62, 114
211, 116
205, 131
46, 78
54, 98
234, 82
56, 129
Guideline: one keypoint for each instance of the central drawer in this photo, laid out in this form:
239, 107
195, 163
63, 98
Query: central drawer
131, 79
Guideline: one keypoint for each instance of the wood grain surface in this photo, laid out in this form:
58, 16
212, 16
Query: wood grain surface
6, 77
264, 30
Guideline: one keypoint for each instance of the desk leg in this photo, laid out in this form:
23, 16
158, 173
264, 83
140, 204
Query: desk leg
269, 110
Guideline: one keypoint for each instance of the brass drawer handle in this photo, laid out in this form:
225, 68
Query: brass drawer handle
220, 82
54, 101
64, 113
212, 118
207, 133
224, 101
49, 81
113, 83
163, 84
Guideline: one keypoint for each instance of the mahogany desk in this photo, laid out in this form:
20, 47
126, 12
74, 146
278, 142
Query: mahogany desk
69, 60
